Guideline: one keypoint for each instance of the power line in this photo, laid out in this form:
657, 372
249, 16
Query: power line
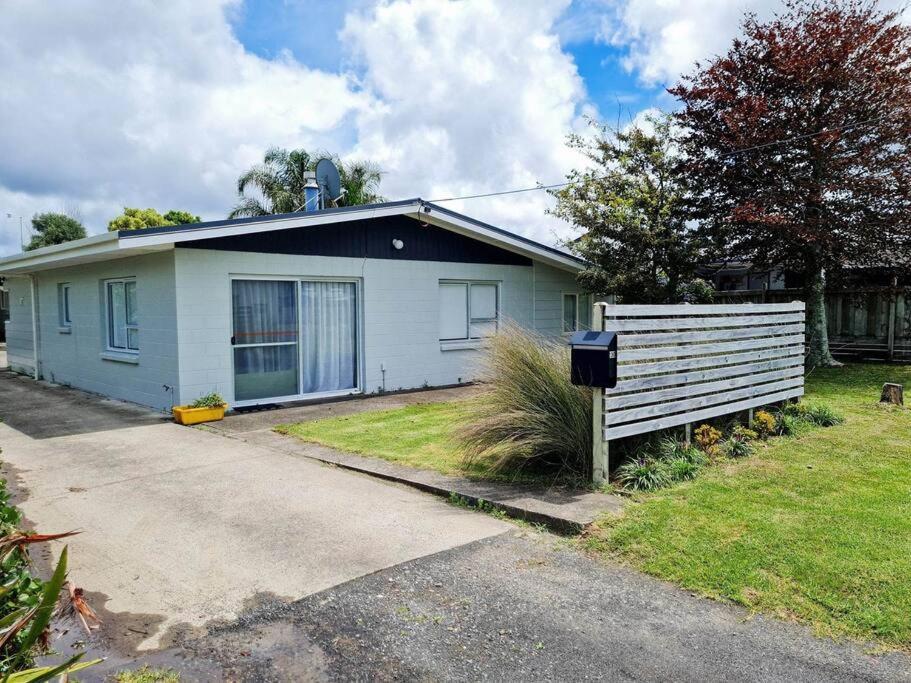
804, 136
496, 194
764, 145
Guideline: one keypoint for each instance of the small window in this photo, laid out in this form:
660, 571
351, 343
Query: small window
468, 310
122, 315
570, 312
63, 304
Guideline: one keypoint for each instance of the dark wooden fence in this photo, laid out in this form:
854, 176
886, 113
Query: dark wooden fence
874, 323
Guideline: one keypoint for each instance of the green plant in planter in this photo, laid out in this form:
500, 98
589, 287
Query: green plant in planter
210, 400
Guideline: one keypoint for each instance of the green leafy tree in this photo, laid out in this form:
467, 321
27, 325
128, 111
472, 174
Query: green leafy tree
630, 203
277, 184
176, 217
136, 219
54, 228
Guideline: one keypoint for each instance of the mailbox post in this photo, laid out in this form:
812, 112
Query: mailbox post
594, 364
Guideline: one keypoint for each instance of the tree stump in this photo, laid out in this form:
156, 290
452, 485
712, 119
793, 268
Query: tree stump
892, 393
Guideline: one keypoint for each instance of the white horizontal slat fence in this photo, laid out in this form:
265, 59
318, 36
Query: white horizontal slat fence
681, 364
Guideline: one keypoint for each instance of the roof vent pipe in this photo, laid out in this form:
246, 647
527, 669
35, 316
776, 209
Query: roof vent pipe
311, 192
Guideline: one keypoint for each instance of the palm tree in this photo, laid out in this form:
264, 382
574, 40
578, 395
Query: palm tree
279, 181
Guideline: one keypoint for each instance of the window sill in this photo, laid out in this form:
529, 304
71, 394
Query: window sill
117, 357
65, 329
462, 344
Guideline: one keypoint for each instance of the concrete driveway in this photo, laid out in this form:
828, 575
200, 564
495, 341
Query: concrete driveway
183, 527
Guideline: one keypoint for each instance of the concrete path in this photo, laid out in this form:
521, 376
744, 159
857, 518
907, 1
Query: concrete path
561, 509
184, 527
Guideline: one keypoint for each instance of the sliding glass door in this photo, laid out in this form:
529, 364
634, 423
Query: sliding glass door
266, 353
294, 338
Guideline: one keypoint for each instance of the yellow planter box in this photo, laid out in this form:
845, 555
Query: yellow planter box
186, 415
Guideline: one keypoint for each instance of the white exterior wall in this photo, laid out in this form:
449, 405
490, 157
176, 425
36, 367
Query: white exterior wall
19, 327
399, 313
550, 286
75, 357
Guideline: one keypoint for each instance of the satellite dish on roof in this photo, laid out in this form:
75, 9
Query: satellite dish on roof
329, 181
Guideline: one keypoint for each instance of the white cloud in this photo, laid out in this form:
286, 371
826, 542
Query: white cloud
477, 96
664, 38
148, 104
157, 104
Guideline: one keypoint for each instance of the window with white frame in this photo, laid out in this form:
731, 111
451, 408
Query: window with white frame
468, 310
63, 304
122, 315
576, 311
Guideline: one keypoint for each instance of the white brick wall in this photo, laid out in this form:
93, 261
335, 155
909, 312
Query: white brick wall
550, 286
75, 358
19, 326
185, 320
400, 330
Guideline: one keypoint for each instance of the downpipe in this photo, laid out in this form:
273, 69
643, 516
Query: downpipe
33, 279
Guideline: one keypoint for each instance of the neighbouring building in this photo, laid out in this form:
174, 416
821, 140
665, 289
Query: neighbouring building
279, 308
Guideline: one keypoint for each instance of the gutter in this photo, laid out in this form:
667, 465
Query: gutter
33, 279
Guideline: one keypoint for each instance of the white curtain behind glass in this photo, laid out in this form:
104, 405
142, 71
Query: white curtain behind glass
329, 336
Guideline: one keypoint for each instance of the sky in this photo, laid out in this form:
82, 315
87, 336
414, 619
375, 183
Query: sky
163, 104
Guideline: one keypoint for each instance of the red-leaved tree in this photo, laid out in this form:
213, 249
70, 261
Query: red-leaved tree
797, 142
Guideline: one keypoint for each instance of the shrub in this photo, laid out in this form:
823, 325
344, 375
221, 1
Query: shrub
764, 424
682, 469
790, 425
821, 415
744, 433
529, 413
735, 447
27, 604
211, 400
643, 474
707, 437
670, 449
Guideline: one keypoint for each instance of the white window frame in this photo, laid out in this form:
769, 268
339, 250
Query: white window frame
469, 319
358, 344
109, 319
563, 296
65, 314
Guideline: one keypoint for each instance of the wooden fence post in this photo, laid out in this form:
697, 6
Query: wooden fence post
600, 448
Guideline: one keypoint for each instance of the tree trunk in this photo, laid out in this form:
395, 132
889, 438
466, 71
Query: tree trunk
818, 354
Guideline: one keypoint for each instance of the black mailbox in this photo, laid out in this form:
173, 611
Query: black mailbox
594, 359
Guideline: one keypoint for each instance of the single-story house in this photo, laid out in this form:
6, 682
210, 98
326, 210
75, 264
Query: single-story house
280, 308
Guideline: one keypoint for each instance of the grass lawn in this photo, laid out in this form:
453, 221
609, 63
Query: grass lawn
815, 528
418, 436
